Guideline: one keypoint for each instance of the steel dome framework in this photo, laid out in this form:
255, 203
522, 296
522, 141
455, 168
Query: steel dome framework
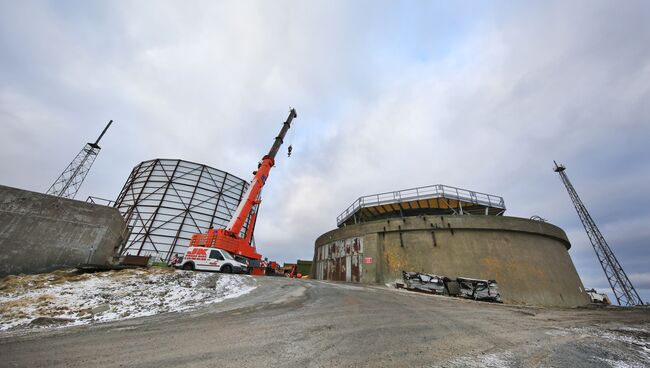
166, 201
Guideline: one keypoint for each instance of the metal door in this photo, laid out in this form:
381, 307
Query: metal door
348, 268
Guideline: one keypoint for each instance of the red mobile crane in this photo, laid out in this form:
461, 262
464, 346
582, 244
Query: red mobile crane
228, 238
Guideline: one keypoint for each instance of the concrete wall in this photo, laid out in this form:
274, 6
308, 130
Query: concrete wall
529, 259
40, 233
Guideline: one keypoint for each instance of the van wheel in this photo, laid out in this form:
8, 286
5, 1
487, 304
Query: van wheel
188, 266
226, 269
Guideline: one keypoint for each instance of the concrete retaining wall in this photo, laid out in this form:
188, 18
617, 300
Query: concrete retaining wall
529, 259
40, 233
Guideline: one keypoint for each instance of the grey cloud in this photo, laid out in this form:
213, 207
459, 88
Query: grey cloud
388, 97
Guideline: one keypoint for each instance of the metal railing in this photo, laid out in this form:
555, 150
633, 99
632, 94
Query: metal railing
100, 201
428, 192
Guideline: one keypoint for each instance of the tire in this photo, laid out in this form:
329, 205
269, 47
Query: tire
188, 266
226, 269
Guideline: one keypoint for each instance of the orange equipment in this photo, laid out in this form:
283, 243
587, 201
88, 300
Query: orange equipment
294, 272
229, 238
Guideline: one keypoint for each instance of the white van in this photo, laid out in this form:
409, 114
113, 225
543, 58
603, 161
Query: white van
210, 259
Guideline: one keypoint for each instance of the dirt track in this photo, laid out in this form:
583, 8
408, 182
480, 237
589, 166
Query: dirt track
317, 324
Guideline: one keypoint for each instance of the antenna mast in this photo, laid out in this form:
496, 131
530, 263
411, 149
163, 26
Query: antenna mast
618, 280
68, 183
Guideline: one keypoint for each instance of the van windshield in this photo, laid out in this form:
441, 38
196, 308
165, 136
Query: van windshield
226, 254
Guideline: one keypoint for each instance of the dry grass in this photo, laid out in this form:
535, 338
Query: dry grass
20, 283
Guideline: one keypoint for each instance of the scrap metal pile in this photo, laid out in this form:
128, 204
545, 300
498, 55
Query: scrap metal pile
484, 290
423, 282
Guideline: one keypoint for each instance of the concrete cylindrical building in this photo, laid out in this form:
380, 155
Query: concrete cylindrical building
528, 258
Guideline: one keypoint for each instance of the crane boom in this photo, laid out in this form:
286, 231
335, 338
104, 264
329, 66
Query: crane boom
283, 132
229, 238
244, 209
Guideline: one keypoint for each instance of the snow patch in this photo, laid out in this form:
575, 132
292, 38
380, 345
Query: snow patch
621, 364
558, 332
635, 339
65, 298
489, 360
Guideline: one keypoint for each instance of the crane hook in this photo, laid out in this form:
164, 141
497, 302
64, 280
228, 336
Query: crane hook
289, 151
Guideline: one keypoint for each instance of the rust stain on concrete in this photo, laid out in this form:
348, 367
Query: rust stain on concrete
395, 260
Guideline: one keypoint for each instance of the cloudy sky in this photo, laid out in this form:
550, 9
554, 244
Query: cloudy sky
479, 95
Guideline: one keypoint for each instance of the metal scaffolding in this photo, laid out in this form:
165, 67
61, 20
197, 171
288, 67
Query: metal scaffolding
166, 201
618, 280
68, 183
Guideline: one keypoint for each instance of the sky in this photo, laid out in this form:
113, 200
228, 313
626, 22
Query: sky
390, 95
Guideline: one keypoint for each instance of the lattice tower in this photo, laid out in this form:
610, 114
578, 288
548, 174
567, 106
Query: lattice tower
621, 286
68, 183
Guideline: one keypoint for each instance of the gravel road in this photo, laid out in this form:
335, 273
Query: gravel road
317, 324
